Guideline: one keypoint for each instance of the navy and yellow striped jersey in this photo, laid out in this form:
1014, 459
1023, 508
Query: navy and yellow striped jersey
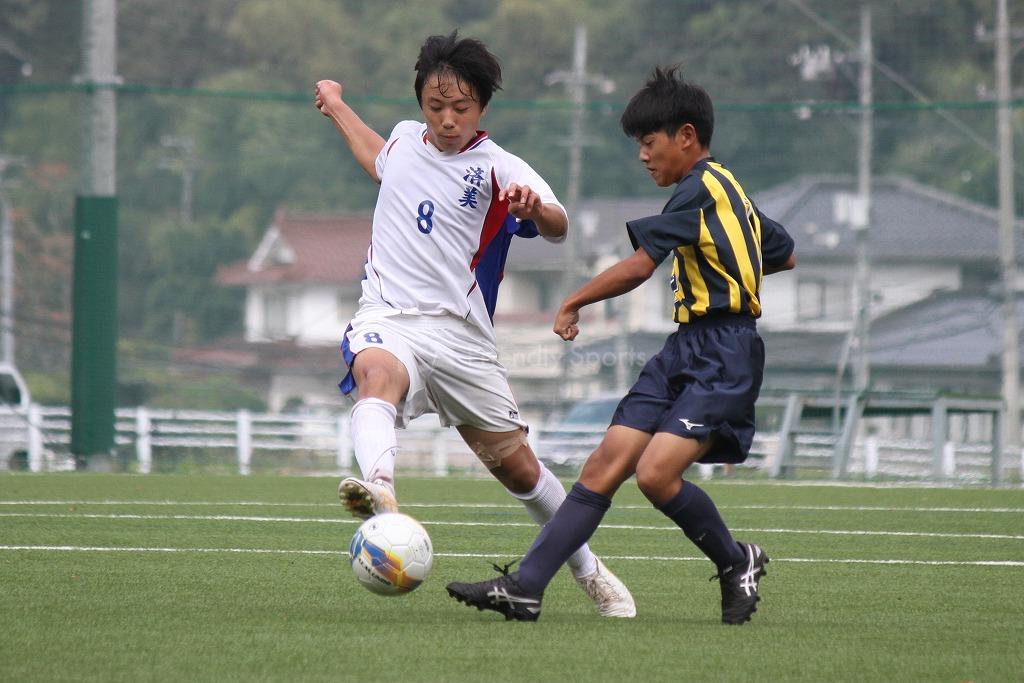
720, 241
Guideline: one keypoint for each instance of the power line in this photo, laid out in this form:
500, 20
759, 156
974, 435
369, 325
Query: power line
894, 76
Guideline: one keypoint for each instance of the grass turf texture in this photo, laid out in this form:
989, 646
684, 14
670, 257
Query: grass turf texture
103, 615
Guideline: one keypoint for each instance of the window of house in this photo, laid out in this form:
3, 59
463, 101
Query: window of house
823, 299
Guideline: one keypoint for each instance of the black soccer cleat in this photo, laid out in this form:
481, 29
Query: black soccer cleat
501, 594
739, 585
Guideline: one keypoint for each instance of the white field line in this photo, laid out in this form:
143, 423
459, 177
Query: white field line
503, 506
427, 523
643, 558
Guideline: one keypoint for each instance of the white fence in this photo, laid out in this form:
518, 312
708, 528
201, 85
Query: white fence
42, 436
303, 443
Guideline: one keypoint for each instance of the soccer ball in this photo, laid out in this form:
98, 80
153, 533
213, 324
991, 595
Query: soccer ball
391, 554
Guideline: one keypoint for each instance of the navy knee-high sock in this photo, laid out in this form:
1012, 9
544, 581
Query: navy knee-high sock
573, 524
695, 513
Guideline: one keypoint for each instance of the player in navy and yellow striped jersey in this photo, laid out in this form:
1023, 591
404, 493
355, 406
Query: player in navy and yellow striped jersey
694, 401
716, 236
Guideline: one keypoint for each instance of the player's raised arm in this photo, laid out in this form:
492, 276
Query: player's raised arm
364, 142
624, 276
525, 204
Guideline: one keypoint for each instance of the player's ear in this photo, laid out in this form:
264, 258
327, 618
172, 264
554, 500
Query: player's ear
686, 136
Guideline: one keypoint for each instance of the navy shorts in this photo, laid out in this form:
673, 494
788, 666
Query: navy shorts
704, 381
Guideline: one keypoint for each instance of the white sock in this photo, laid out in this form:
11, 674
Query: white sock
542, 503
374, 439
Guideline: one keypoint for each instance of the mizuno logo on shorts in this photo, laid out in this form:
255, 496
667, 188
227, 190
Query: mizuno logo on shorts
688, 424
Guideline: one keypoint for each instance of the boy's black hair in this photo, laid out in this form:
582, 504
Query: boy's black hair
665, 103
467, 59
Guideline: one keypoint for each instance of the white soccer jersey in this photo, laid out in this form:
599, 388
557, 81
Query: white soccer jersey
436, 216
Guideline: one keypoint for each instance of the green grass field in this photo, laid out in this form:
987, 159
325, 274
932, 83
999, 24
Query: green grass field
169, 577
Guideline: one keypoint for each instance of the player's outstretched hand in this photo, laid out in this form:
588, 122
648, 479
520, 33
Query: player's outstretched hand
567, 323
523, 203
324, 91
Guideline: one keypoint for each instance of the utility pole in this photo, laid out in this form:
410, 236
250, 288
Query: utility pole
6, 266
94, 293
853, 210
576, 82
1007, 238
187, 164
862, 219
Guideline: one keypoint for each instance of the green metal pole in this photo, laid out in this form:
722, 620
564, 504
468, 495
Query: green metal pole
94, 297
94, 328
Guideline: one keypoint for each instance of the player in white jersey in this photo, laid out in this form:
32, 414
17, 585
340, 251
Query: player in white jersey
422, 340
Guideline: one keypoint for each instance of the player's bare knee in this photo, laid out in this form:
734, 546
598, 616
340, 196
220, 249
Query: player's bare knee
653, 483
604, 472
605, 481
647, 482
492, 455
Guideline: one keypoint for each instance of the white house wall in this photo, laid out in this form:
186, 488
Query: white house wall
897, 287
319, 314
651, 303
254, 324
518, 293
315, 314
779, 300
892, 287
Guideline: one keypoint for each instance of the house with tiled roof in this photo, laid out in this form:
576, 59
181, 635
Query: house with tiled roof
302, 281
935, 321
934, 260
302, 286
921, 242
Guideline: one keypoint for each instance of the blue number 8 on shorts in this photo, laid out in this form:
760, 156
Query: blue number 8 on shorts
373, 338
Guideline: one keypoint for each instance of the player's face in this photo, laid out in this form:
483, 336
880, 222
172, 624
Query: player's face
452, 112
665, 156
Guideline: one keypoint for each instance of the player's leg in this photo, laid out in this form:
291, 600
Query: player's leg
383, 382
659, 474
614, 461
567, 531
578, 517
740, 566
711, 420
382, 379
472, 392
511, 460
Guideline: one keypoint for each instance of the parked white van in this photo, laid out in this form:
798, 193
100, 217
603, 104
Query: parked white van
14, 404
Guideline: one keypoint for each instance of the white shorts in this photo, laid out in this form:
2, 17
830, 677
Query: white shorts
452, 372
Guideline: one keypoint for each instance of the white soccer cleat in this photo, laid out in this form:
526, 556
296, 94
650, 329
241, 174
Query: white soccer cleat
610, 595
364, 499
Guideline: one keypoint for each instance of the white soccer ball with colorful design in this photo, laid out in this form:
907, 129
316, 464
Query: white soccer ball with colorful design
391, 554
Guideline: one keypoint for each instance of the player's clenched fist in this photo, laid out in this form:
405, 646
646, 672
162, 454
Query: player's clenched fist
326, 93
523, 203
566, 323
